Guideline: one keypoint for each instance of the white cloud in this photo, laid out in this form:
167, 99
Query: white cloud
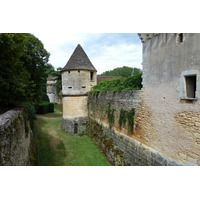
106, 51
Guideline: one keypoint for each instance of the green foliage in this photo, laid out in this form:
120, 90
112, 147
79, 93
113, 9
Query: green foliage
44, 107
123, 117
51, 107
130, 117
35, 59
121, 71
131, 83
23, 65
127, 116
111, 116
30, 112
52, 72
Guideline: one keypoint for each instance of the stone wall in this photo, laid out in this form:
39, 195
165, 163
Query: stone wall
115, 109
123, 150
74, 113
52, 90
169, 115
15, 139
77, 82
117, 136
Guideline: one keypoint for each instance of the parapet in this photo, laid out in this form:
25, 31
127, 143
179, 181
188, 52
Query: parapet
147, 36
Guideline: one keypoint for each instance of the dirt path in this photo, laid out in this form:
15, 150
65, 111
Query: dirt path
49, 129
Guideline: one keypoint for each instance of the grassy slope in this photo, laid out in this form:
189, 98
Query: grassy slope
55, 148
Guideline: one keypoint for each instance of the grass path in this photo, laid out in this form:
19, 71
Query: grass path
56, 148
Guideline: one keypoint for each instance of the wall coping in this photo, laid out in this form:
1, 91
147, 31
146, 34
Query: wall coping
8, 117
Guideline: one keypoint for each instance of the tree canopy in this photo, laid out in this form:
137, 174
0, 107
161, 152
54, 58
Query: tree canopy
121, 71
23, 66
52, 72
133, 82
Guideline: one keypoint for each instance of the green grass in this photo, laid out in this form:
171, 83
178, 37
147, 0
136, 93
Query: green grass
56, 148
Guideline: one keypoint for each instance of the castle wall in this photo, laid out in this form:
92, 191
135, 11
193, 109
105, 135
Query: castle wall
114, 125
169, 119
74, 106
74, 113
77, 82
15, 139
52, 91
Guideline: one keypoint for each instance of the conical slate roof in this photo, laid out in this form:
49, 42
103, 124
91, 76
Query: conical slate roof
79, 60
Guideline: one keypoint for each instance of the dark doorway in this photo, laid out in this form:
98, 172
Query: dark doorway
75, 128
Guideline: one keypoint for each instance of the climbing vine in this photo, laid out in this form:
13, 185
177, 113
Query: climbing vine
127, 116
130, 117
111, 116
123, 117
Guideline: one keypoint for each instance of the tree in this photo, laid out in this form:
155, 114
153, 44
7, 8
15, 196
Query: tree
35, 59
52, 72
23, 65
120, 71
133, 82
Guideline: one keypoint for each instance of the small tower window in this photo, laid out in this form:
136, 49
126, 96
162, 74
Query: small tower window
180, 37
91, 76
190, 82
68, 71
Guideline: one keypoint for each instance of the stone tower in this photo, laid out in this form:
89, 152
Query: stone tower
78, 77
52, 91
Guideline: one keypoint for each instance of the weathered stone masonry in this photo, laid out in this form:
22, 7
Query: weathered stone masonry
15, 139
170, 110
119, 143
78, 77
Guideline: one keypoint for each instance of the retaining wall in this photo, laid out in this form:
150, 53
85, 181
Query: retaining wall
116, 136
15, 139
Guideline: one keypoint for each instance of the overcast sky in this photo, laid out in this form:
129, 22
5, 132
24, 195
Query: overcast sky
106, 51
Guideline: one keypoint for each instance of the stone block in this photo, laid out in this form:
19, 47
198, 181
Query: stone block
197, 124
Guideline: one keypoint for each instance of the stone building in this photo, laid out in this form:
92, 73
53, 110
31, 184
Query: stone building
78, 77
52, 90
169, 116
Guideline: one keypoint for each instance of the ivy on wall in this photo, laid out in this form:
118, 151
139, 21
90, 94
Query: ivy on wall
111, 116
127, 116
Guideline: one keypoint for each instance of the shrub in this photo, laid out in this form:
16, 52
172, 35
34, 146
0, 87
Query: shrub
131, 83
51, 107
45, 107
30, 112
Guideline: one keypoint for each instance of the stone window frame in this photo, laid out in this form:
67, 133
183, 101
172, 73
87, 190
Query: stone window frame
185, 74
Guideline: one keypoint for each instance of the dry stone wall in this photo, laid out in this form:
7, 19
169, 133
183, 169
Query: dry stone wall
15, 139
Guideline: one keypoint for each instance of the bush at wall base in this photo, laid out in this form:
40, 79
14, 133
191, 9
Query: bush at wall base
45, 107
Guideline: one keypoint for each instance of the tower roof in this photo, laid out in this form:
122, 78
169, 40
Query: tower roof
79, 60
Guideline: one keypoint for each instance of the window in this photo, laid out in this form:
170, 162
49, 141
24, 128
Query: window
190, 82
69, 87
180, 37
91, 76
68, 71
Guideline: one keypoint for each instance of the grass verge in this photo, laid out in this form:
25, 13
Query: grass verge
56, 148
